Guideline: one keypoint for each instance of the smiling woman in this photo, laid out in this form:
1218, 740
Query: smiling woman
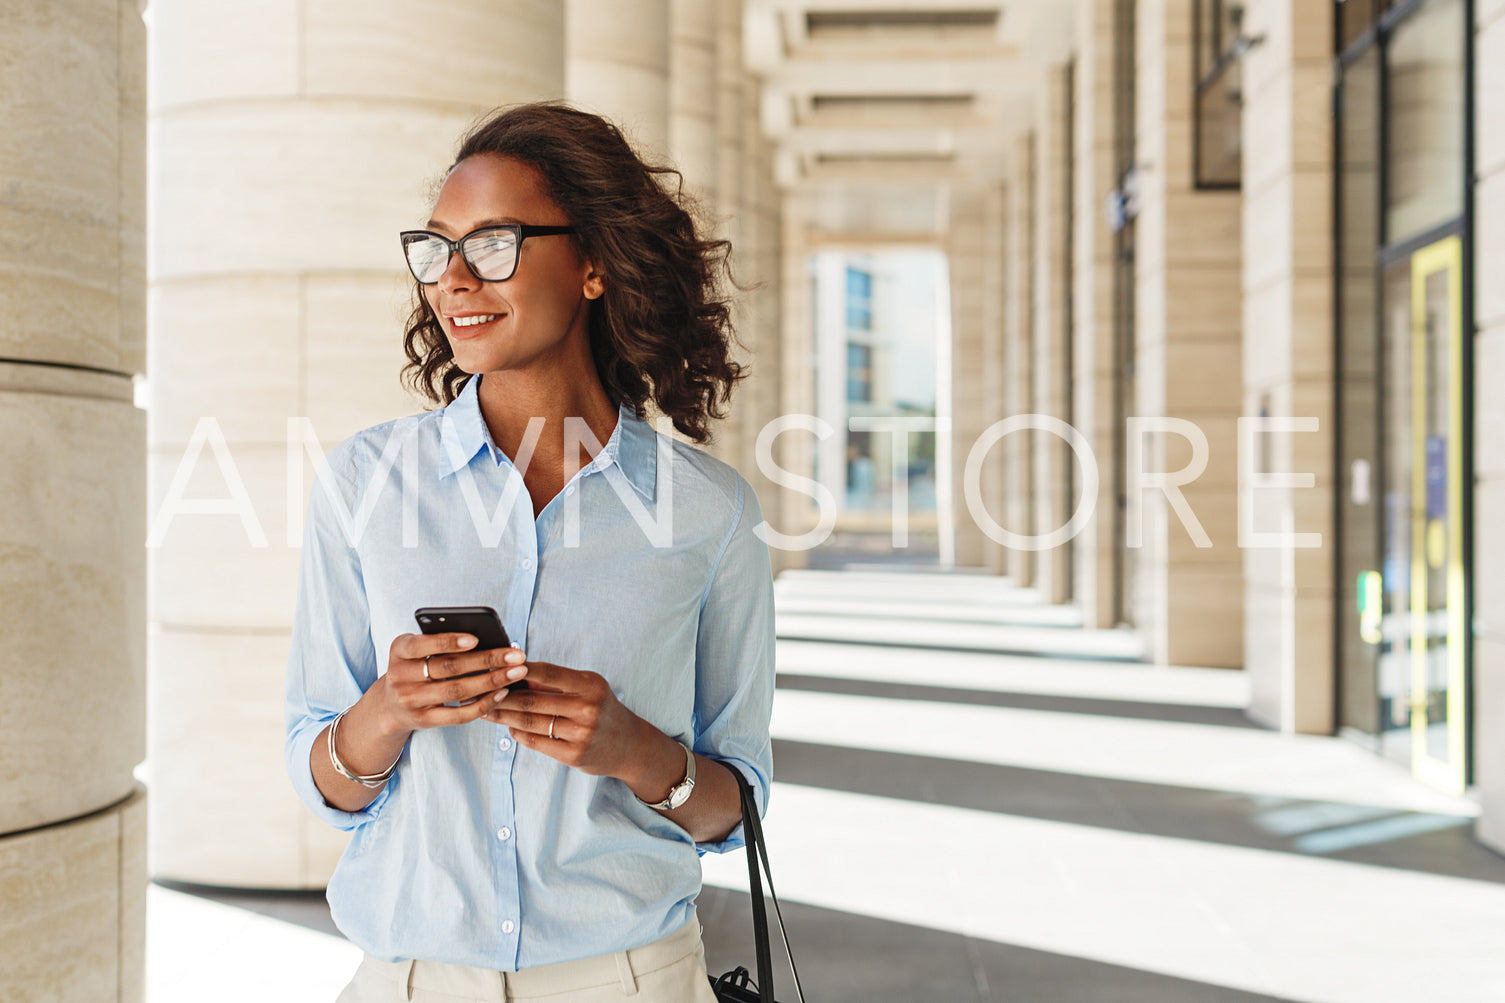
661, 330
511, 843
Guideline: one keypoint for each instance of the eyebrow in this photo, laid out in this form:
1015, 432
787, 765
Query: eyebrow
435, 224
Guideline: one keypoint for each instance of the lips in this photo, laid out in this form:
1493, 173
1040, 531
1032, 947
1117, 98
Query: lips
471, 324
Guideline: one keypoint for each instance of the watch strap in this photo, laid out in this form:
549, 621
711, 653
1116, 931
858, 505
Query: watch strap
687, 785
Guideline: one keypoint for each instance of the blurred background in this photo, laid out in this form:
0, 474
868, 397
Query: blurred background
1203, 701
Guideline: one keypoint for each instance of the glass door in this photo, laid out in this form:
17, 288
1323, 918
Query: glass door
1413, 610
1401, 145
1437, 575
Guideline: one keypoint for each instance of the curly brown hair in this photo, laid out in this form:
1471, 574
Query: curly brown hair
662, 330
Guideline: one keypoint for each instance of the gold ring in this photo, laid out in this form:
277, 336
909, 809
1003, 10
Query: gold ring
426, 667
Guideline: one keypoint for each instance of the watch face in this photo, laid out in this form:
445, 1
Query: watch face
680, 794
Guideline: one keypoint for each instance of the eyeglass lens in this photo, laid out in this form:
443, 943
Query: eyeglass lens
490, 254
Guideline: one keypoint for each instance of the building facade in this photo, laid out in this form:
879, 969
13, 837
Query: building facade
1235, 260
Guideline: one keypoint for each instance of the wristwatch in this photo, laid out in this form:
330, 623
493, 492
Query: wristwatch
680, 792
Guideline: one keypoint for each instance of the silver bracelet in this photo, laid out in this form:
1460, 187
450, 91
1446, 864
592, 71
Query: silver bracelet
371, 781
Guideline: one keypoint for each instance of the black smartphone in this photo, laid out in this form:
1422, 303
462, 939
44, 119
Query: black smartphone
480, 621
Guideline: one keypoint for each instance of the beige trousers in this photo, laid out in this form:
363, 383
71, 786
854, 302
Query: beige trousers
671, 970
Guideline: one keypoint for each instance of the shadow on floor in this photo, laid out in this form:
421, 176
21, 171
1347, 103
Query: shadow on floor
1226, 717
1386, 837
307, 909
845, 958
856, 959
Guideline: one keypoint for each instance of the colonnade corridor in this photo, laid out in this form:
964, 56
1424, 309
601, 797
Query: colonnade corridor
978, 799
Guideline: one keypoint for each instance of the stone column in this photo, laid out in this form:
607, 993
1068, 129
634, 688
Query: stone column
723, 87
72, 456
289, 152
695, 149
969, 363
731, 119
1055, 473
757, 306
1288, 354
1489, 426
1094, 374
994, 295
750, 211
694, 135
795, 451
1019, 328
1188, 341
763, 390
618, 66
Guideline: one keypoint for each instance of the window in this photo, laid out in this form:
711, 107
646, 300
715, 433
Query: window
1217, 102
1356, 18
859, 300
1424, 109
859, 371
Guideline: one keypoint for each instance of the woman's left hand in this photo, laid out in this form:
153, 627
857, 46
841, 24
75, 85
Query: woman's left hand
592, 731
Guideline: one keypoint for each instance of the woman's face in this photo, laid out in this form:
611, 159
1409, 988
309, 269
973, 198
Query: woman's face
538, 316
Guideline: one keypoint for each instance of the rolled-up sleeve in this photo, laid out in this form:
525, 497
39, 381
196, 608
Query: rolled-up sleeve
331, 661
734, 660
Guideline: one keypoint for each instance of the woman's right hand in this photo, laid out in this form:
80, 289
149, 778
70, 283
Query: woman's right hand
403, 701
408, 702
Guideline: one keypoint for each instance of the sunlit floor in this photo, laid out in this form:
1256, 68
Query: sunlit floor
992, 804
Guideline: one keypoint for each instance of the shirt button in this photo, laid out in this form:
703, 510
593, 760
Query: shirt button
504, 744
570, 490
504, 833
508, 926
525, 563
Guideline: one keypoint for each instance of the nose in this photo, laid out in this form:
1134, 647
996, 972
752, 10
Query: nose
457, 275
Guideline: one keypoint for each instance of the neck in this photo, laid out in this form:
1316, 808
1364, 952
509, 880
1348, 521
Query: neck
509, 401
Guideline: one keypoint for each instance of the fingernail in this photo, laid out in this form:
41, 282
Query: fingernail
465, 641
518, 673
499, 695
514, 657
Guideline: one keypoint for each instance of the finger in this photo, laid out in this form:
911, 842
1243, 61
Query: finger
417, 647
465, 687
440, 716
518, 679
450, 665
536, 724
540, 702
561, 679
558, 747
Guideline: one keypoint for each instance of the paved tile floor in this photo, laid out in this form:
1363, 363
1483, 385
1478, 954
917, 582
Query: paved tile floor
977, 800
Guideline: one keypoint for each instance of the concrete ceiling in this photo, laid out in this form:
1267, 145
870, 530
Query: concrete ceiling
880, 109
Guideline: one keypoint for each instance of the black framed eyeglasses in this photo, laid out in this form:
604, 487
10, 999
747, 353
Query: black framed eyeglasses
490, 252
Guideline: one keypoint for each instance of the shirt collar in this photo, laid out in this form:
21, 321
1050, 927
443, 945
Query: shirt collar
632, 446
462, 431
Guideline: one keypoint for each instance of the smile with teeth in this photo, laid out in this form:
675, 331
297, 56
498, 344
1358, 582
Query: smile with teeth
483, 318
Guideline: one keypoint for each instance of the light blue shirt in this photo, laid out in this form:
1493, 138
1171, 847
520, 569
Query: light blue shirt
645, 569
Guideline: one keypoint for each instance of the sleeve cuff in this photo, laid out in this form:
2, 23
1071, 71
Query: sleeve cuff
737, 838
299, 751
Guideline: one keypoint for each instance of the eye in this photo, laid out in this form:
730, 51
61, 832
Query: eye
427, 256
492, 252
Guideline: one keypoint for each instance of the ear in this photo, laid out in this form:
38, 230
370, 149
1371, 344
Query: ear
595, 285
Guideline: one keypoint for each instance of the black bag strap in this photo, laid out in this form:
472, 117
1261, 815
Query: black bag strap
757, 850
